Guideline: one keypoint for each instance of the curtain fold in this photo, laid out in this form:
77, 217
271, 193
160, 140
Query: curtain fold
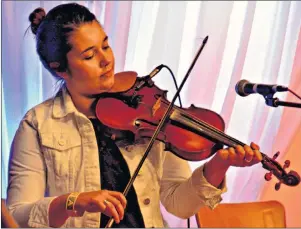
254, 40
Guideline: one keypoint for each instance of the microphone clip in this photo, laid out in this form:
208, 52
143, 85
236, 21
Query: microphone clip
270, 100
143, 81
275, 102
147, 80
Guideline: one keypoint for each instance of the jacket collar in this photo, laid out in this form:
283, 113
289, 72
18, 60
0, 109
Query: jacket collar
63, 104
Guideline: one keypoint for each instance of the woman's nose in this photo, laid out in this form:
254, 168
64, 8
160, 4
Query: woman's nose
104, 63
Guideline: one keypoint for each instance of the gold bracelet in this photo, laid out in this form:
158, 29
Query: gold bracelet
71, 199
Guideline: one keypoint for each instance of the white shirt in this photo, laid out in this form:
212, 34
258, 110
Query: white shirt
55, 152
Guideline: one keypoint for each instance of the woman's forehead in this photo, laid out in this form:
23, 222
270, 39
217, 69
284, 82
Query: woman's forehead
87, 35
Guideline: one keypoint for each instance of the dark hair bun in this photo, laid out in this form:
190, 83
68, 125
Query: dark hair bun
35, 18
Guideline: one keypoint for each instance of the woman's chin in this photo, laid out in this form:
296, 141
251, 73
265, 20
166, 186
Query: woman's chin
107, 86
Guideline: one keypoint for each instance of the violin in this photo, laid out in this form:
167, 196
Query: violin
135, 105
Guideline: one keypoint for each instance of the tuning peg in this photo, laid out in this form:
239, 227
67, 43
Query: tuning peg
268, 176
277, 186
286, 164
276, 155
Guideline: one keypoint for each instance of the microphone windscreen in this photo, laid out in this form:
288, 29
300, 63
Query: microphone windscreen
239, 87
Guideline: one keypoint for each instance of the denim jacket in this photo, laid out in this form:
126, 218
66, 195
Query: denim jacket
55, 152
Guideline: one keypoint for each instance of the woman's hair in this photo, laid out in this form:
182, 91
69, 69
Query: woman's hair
52, 32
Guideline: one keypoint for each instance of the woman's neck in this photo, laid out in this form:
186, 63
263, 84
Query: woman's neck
84, 104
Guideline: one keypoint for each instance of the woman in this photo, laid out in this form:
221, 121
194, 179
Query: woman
64, 171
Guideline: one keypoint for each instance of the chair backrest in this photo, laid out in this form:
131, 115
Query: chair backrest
252, 214
7, 221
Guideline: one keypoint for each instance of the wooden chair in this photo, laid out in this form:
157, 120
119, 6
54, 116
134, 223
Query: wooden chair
7, 221
252, 214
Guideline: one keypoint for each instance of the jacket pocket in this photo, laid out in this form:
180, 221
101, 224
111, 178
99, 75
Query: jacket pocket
60, 148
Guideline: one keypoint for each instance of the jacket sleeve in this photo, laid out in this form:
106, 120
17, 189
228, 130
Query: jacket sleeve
183, 193
27, 178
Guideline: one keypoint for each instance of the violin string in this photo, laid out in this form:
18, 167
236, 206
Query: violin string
207, 131
223, 138
220, 136
212, 128
215, 130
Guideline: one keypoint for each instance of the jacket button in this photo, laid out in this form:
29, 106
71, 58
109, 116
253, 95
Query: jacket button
61, 142
140, 173
129, 148
146, 201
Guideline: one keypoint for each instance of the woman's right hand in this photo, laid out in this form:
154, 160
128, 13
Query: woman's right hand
110, 203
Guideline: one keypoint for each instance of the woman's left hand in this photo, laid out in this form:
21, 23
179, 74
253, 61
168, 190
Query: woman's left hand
216, 168
240, 156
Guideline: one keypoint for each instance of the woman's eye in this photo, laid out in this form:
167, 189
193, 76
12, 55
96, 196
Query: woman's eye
106, 47
89, 57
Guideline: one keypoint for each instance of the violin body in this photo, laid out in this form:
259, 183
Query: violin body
142, 117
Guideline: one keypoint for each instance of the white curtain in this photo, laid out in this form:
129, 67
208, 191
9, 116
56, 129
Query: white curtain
253, 40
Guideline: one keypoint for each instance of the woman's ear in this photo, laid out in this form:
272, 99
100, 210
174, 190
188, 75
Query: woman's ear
55, 66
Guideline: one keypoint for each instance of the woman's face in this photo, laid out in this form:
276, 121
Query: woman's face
90, 61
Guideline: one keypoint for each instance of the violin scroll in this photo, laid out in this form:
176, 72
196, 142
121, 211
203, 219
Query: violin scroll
291, 178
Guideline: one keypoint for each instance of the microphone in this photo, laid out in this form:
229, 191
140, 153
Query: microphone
147, 79
155, 71
245, 88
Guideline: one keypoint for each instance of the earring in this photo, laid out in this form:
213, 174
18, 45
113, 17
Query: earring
54, 65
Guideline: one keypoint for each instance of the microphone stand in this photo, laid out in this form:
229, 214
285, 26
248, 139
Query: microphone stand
158, 129
275, 102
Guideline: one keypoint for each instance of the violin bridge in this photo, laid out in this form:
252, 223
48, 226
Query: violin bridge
175, 116
156, 106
